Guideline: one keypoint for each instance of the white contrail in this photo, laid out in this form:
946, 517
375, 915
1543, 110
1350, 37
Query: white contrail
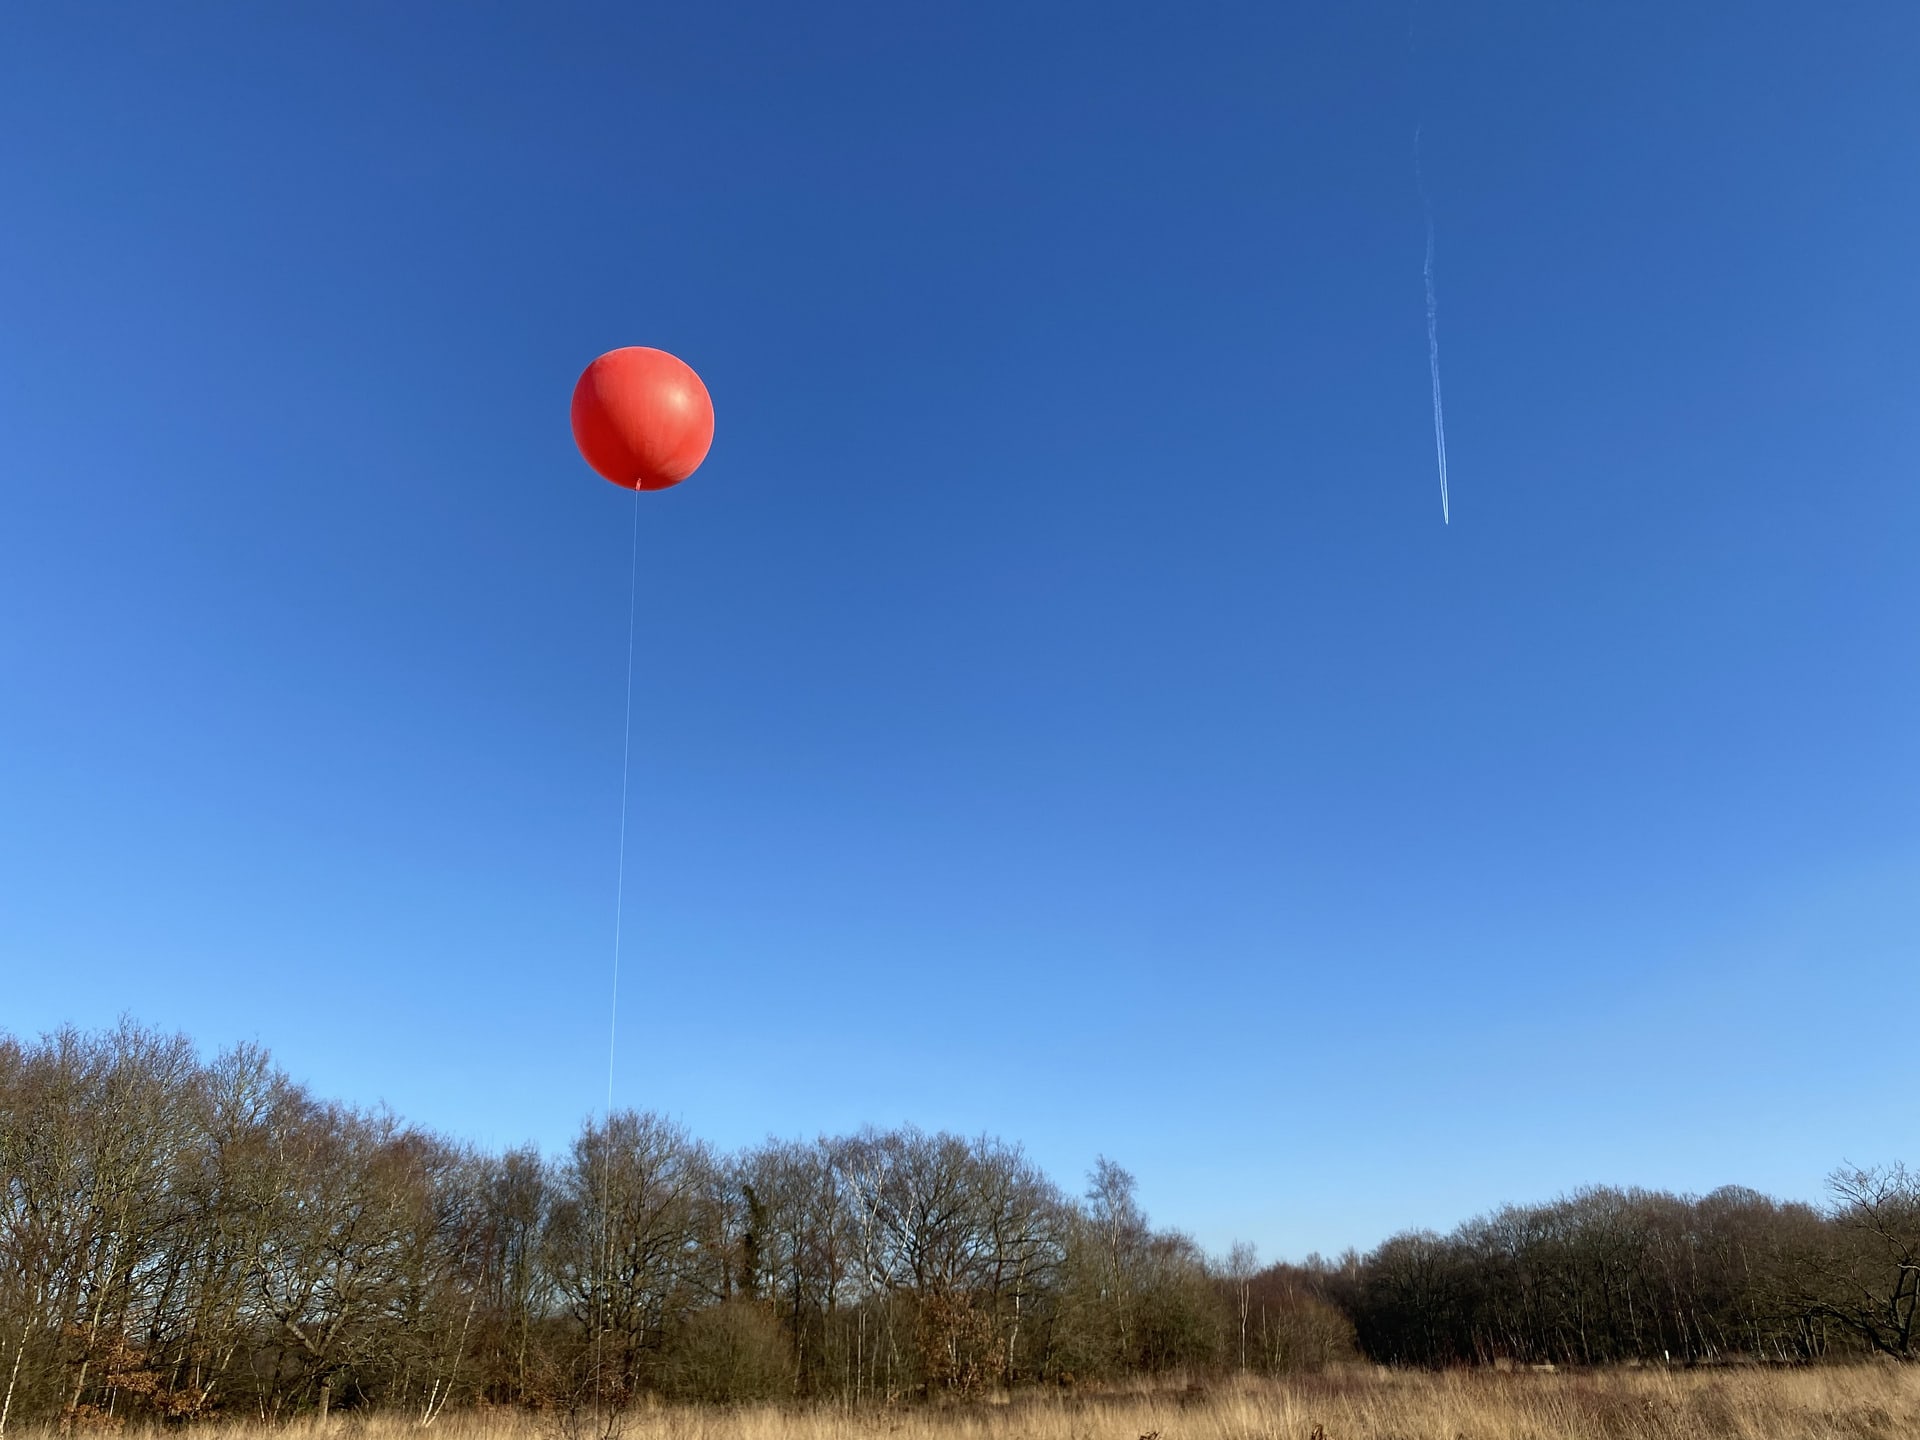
1433, 338
1433, 364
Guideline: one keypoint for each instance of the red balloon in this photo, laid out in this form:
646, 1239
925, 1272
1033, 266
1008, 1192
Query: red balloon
642, 418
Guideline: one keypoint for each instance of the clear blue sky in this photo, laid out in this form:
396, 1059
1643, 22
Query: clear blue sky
1060, 709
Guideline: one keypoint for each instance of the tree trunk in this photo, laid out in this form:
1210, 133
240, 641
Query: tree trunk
13, 1376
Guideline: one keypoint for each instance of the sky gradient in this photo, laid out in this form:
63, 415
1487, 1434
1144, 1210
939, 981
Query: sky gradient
1060, 711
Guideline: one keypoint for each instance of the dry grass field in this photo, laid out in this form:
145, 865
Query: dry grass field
1863, 1402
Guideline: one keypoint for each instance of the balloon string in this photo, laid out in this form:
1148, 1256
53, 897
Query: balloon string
619, 904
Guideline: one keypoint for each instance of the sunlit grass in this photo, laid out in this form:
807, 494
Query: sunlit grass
1857, 1402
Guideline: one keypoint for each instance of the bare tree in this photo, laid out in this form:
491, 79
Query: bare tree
623, 1244
1243, 1262
179, 1239
1873, 1262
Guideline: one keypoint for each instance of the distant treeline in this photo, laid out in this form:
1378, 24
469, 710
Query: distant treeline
183, 1239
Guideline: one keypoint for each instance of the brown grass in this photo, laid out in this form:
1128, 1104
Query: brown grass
1863, 1402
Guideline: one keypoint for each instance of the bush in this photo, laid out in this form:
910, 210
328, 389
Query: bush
728, 1354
